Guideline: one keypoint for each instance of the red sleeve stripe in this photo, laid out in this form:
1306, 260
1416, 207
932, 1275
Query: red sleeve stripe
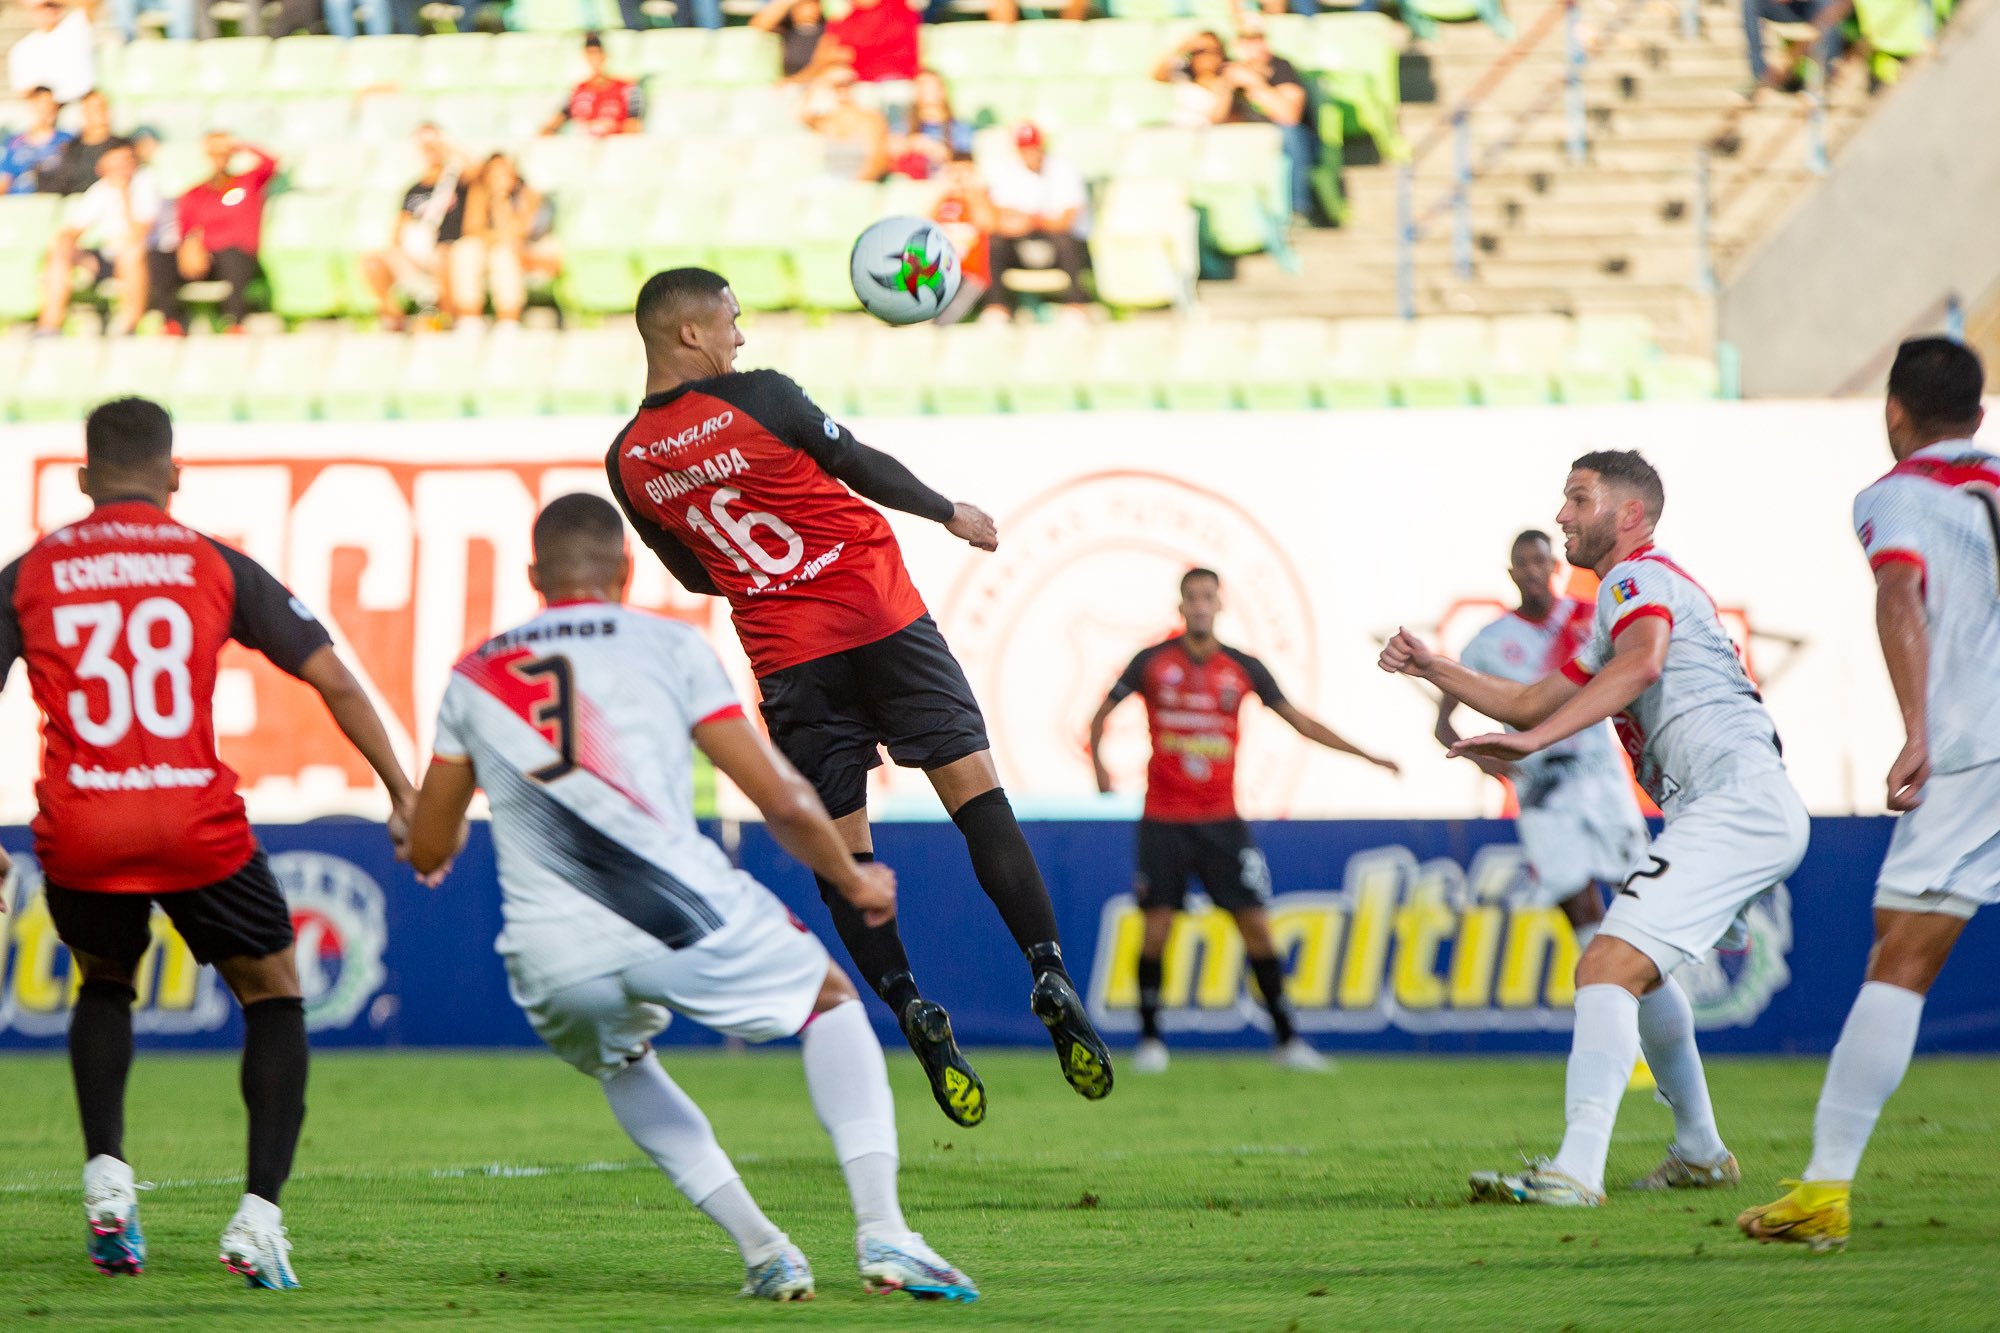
723, 714
1639, 613
1574, 672
455, 760
1895, 555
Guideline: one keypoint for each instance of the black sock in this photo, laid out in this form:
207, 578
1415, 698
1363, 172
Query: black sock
1150, 972
1270, 974
876, 950
1006, 869
100, 1056
274, 1089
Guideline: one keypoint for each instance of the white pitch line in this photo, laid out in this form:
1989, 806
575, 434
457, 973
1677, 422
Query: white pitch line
50, 1182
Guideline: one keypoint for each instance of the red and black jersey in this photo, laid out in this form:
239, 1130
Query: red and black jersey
120, 618
605, 106
736, 483
1191, 706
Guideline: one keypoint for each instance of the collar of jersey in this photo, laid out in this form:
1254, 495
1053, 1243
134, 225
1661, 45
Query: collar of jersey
575, 601
119, 500
1949, 449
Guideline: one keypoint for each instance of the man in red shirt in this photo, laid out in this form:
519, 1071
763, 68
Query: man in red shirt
877, 37
741, 486
221, 224
1194, 685
601, 104
120, 618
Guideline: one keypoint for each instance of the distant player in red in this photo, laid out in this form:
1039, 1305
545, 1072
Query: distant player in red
746, 490
1193, 686
120, 618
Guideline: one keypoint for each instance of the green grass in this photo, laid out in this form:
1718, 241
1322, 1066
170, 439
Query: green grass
1224, 1195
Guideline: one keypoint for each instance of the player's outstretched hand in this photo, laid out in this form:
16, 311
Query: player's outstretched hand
1389, 766
1909, 773
1506, 746
974, 526
1406, 654
875, 896
1103, 775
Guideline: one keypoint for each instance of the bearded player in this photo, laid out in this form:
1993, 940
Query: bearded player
120, 618
745, 489
1660, 661
1578, 824
1194, 685
1931, 530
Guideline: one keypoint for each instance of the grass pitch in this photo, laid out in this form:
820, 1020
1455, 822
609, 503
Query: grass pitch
495, 1191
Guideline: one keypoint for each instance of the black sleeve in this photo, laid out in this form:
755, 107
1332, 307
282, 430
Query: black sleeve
787, 413
10, 620
1133, 678
1283, 72
1261, 679
268, 618
682, 563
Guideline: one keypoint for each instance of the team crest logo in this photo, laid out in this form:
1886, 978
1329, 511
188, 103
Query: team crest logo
1624, 591
338, 913
1732, 990
1867, 533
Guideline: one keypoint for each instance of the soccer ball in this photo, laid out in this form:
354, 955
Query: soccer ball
905, 270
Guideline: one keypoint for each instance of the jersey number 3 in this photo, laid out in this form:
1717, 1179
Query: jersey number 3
134, 695
555, 715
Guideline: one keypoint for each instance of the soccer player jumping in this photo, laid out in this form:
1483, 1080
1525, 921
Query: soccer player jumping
1659, 660
746, 490
120, 617
1193, 686
1931, 530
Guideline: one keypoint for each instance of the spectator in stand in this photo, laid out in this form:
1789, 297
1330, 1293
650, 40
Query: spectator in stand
376, 17
1266, 89
927, 134
104, 230
601, 104
857, 137
76, 170
1202, 95
221, 225
186, 19
34, 149
417, 263
1043, 207
60, 54
504, 239
1792, 17
965, 211
799, 24
877, 39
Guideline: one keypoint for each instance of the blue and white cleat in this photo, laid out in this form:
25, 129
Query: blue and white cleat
254, 1247
111, 1207
904, 1263
785, 1276
1538, 1183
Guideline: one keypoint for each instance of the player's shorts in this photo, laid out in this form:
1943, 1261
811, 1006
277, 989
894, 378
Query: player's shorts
244, 916
831, 716
1221, 854
1585, 829
1945, 855
1717, 855
757, 978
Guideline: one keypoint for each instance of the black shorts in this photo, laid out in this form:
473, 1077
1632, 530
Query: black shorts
244, 916
1221, 854
829, 716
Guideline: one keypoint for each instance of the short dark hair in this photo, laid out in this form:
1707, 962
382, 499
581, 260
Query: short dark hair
1527, 535
1938, 381
591, 39
1199, 572
40, 90
666, 293
1628, 468
577, 519
127, 434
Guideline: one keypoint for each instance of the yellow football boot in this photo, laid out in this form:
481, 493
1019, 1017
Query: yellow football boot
1814, 1214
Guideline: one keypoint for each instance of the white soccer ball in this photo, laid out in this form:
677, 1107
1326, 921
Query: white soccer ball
905, 270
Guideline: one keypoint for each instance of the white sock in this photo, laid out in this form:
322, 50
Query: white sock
665, 1122
1601, 1054
258, 1212
1666, 1035
849, 1082
1868, 1062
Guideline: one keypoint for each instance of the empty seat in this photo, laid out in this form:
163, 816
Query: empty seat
285, 374
1286, 361
208, 385
1366, 356
379, 62
439, 373
361, 376
59, 381
454, 62
27, 222
306, 66
228, 66
1209, 361
974, 362
882, 384
1051, 368
1143, 249
1128, 366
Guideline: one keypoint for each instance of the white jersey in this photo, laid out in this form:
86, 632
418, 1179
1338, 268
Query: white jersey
1701, 726
578, 726
1522, 650
1937, 511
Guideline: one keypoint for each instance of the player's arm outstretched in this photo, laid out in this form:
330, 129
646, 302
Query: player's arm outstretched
1097, 721
795, 816
437, 827
1447, 736
1902, 625
355, 715
1318, 732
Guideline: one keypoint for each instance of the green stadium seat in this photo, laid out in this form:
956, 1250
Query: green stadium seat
60, 381
1609, 349
379, 62
670, 57
1678, 379
285, 374
1359, 58
306, 67
1143, 248
178, 164
757, 111
229, 66
600, 371
312, 120
1146, 9
472, 118
454, 63
1208, 361
552, 16
974, 360
990, 101
968, 50
516, 371
1367, 354
557, 163
823, 363
1286, 360
155, 69
1131, 104
171, 118
673, 113
1050, 49
600, 268
386, 118
752, 246
1527, 350
1623, 339
361, 376
525, 113
1163, 153
739, 56
641, 161
1052, 368
680, 229
1242, 187
208, 385
251, 118
831, 215
532, 62
1293, 37
1061, 105
1128, 366
892, 370
438, 373
1445, 352
27, 222
1119, 48
388, 167
370, 226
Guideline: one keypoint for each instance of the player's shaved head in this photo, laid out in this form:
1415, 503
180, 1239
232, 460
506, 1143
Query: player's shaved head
673, 296
687, 319
579, 547
1628, 471
1934, 391
128, 450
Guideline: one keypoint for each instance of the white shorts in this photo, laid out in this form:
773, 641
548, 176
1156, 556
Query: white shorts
1586, 830
1717, 855
1945, 855
757, 978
